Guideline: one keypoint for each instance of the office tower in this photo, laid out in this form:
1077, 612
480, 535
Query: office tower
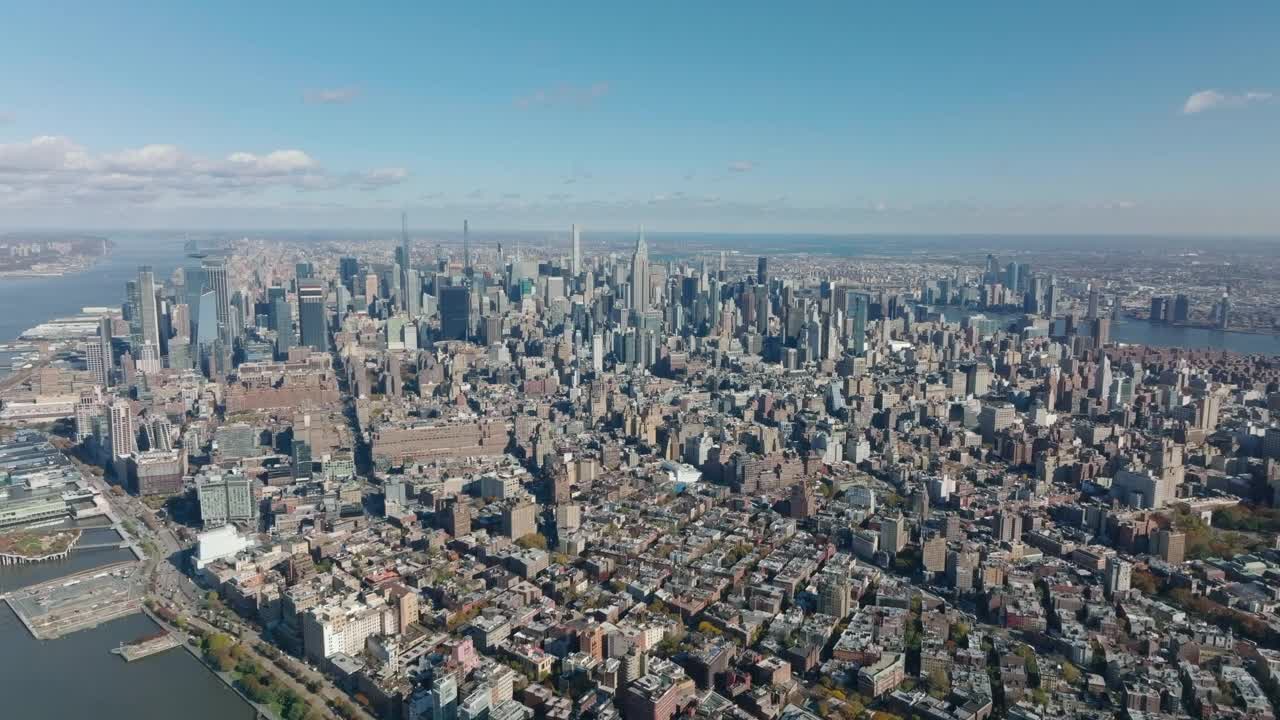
280, 319
762, 271
412, 292
1118, 576
455, 312
1102, 377
893, 534
215, 280
1101, 332
1224, 312
148, 359
1158, 310
104, 351
466, 249
1051, 297
640, 275
1093, 302
304, 271
402, 259
311, 315
148, 319
207, 326
193, 280
858, 306
1011, 276
575, 261
348, 268
1181, 309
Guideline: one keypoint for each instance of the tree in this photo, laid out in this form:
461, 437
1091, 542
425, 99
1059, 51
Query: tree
706, 628
533, 541
1070, 673
939, 683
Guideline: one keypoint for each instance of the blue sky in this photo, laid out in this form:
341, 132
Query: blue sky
840, 117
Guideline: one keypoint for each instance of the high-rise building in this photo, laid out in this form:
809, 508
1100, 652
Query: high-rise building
280, 318
215, 280
519, 520
640, 275
466, 248
311, 315
455, 312
762, 271
148, 317
1159, 308
455, 518
858, 305
1181, 309
122, 438
225, 497
893, 534
1118, 576
933, 554
1093, 302
575, 260
833, 596
348, 268
1170, 546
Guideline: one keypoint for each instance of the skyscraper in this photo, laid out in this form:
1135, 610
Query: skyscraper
311, 315
402, 258
1093, 302
149, 321
280, 319
121, 429
466, 249
575, 261
215, 279
103, 376
640, 275
762, 271
455, 312
858, 305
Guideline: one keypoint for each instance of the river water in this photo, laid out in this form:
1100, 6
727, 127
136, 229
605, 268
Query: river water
77, 677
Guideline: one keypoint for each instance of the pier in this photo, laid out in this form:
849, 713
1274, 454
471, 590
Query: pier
147, 648
84, 600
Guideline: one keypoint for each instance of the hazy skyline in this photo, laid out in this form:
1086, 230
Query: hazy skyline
1012, 118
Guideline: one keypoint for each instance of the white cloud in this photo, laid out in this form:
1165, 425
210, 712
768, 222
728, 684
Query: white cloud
54, 170
382, 177
332, 96
563, 94
49, 153
1212, 99
742, 166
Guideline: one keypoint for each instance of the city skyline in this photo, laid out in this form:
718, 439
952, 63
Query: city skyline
1006, 120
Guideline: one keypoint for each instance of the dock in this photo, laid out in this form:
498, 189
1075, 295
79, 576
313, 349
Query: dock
147, 648
77, 602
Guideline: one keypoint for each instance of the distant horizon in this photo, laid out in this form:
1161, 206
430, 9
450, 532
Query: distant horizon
482, 231
832, 119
